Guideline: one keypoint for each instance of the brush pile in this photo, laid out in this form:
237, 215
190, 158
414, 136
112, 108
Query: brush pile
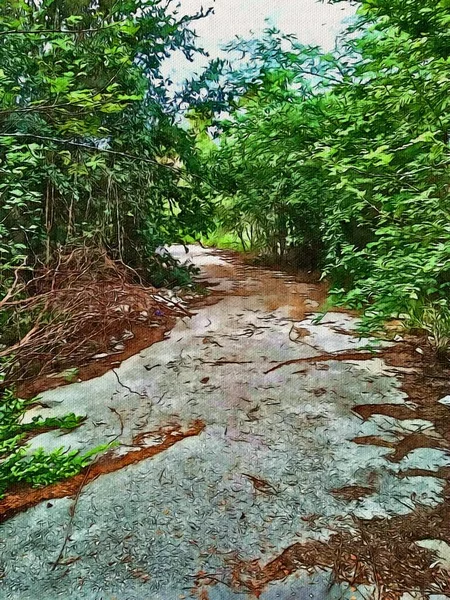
71, 310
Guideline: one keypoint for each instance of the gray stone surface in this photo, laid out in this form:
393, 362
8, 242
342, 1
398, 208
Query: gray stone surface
143, 533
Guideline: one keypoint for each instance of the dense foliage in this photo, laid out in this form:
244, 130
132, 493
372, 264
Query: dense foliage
90, 155
340, 159
345, 155
89, 149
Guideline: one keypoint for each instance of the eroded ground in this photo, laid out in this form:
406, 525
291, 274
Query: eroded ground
262, 455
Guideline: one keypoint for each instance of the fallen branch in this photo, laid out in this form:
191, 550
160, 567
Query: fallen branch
72, 510
339, 356
15, 288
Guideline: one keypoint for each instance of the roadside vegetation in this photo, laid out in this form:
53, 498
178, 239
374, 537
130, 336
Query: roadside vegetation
95, 174
17, 464
335, 161
91, 156
340, 161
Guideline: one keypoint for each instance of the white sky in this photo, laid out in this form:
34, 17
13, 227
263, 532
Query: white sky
312, 22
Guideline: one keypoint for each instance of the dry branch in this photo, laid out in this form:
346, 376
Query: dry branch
76, 305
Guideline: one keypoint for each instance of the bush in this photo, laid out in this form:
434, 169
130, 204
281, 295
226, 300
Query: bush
18, 464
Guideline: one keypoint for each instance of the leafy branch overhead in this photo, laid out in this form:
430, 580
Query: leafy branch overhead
342, 159
83, 107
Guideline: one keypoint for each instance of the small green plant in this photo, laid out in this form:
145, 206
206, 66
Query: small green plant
225, 240
435, 320
167, 271
70, 375
18, 464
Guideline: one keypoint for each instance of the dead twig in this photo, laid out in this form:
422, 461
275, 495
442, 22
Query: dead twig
126, 388
15, 288
70, 523
176, 304
77, 305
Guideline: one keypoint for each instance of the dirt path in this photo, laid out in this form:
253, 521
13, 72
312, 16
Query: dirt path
249, 458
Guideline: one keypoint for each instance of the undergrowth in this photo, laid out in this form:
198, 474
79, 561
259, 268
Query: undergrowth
218, 238
167, 271
20, 465
65, 312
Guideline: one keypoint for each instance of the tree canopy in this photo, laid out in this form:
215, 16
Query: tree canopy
342, 155
346, 155
90, 151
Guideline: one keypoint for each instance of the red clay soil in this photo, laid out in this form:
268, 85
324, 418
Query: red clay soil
396, 411
26, 496
437, 413
352, 492
283, 287
379, 552
404, 446
440, 473
144, 337
361, 558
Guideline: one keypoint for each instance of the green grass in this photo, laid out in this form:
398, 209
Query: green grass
18, 464
219, 239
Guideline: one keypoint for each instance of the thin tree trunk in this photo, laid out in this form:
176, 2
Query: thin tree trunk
48, 225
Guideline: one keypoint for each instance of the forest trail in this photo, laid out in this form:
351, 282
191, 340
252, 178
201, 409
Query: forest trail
247, 457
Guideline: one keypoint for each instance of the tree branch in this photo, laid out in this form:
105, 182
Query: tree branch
145, 159
62, 31
94, 148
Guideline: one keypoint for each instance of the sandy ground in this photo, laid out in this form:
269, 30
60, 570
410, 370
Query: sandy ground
261, 474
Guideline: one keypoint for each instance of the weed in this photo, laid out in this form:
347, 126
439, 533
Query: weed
18, 464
